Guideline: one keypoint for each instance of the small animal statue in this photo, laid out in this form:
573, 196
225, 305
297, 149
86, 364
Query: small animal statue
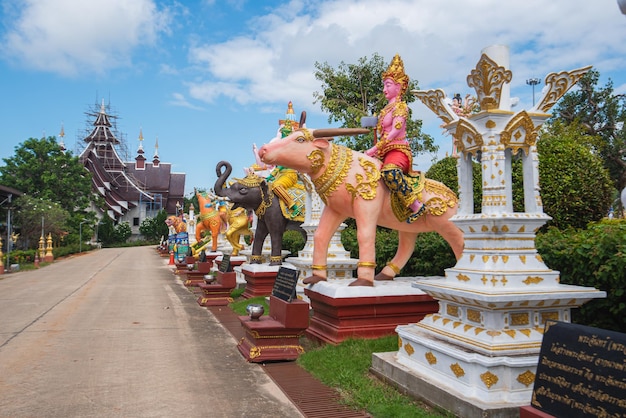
209, 219
238, 225
350, 184
175, 224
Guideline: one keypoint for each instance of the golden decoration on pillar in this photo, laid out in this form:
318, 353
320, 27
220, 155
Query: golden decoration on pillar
489, 379
487, 79
558, 84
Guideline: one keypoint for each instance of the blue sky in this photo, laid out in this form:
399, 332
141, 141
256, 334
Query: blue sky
209, 78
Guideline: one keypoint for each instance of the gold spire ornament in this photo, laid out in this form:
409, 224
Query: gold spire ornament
396, 73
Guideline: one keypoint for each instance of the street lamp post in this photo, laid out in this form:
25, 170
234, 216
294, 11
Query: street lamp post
533, 82
80, 236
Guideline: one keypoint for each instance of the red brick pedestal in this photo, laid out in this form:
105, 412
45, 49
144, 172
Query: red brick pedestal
532, 412
277, 335
196, 276
260, 279
218, 292
341, 312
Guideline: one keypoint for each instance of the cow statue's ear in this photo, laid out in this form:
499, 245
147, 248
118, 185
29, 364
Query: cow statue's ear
322, 142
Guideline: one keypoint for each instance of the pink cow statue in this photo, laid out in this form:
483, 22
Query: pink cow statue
350, 185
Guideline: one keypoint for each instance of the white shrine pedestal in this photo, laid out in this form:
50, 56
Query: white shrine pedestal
477, 356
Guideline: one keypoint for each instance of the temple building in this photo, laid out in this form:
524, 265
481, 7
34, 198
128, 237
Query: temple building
131, 190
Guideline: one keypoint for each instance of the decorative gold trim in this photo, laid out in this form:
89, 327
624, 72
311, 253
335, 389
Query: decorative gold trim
487, 79
316, 157
532, 280
452, 310
393, 267
558, 84
527, 378
489, 379
409, 349
430, 358
519, 319
335, 173
467, 138
473, 315
435, 101
462, 277
366, 264
521, 125
365, 185
457, 370
318, 267
256, 258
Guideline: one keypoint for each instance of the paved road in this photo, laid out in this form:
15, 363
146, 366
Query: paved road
113, 333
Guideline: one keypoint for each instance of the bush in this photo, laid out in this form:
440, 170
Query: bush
432, 254
595, 257
293, 242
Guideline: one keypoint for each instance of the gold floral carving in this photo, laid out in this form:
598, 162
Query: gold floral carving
434, 100
365, 184
335, 173
527, 378
558, 84
430, 358
409, 349
546, 316
467, 138
489, 379
457, 370
317, 160
532, 280
487, 79
473, 315
255, 352
452, 310
462, 277
445, 198
519, 319
519, 133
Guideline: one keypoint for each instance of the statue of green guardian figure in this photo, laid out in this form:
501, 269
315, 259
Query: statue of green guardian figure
392, 148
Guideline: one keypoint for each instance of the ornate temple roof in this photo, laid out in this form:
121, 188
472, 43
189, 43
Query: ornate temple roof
123, 185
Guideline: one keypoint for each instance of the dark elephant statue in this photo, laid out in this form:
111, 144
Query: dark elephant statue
254, 193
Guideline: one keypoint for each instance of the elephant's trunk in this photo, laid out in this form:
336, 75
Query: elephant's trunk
223, 170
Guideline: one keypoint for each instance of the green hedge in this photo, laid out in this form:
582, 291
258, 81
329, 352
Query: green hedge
594, 257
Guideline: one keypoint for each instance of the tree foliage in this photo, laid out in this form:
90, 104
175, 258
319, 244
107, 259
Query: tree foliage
575, 187
28, 219
601, 114
155, 228
41, 169
352, 91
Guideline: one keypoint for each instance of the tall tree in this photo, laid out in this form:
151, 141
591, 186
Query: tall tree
352, 91
41, 169
601, 114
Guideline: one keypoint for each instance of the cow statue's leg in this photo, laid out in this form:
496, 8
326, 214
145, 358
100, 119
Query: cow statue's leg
328, 224
366, 237
406, 245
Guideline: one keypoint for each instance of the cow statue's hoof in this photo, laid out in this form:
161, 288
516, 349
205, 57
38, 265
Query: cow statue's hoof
382, 276
314, 279
362, 282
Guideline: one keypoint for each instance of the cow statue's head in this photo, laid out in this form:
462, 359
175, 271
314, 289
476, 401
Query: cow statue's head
298, 149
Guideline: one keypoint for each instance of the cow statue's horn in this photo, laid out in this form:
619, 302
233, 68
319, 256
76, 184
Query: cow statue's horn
322, 133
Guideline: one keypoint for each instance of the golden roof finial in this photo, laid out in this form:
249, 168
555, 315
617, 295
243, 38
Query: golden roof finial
396, 72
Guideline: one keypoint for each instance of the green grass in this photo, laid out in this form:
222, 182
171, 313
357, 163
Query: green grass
239, 306
346, 368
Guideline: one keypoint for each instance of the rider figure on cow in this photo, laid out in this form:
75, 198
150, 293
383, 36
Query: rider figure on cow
392, 148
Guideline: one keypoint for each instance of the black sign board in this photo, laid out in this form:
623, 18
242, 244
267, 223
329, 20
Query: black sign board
225, 264
581, 372
285, 284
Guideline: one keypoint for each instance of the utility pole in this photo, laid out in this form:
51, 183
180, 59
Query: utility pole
533, 82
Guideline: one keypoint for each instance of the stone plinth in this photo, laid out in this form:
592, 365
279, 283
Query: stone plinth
234, 261
218, 292
259, 278
341, 312
275, 336
196, 276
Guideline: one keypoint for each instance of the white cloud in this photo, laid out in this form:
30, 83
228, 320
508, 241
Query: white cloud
70, 36
440, 42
